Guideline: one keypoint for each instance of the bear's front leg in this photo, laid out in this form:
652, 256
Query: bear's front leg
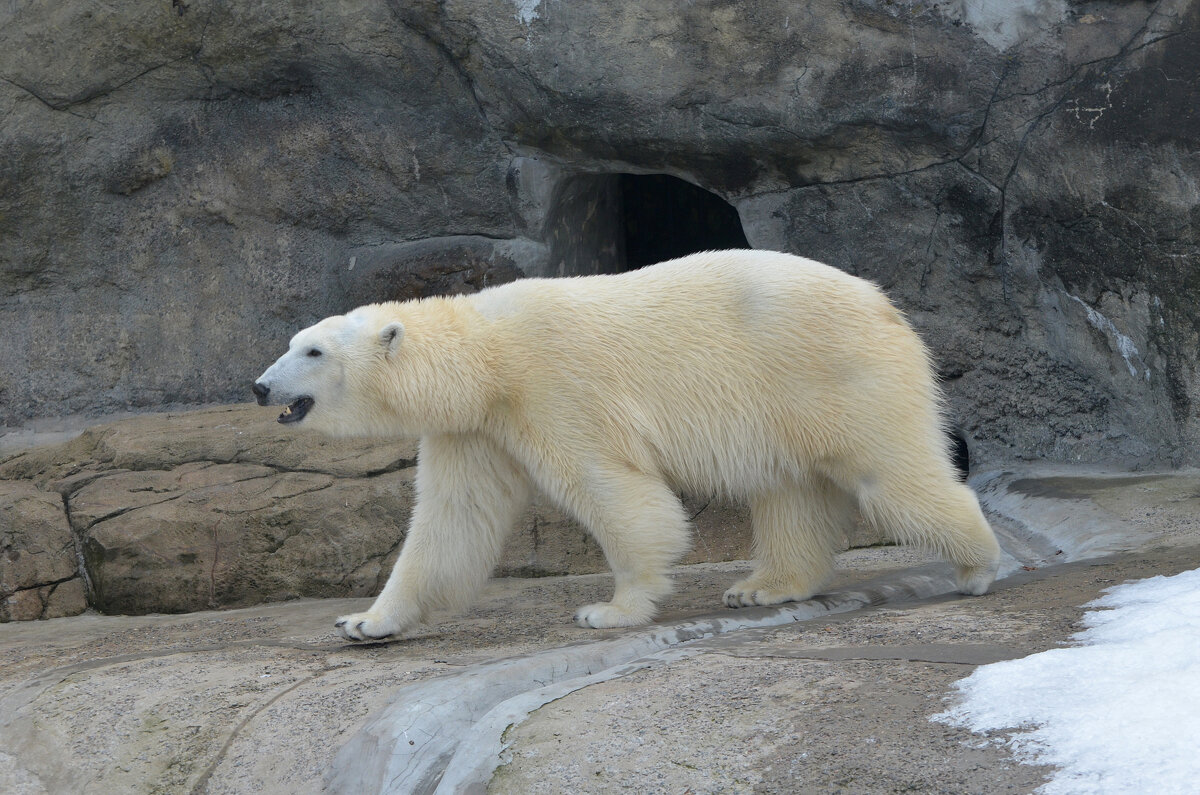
642, 528
469, 494
399, 607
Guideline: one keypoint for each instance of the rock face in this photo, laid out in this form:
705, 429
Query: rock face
39, 573
172, 513
182, 186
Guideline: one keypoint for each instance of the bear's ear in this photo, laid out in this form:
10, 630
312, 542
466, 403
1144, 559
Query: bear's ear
391, 335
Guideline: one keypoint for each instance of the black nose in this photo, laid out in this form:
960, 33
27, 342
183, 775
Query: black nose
261, 393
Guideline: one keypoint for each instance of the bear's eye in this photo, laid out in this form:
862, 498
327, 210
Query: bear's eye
314, 352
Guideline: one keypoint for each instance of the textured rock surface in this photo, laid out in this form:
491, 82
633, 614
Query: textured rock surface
181, 512
223, 507
211, 176
39, 572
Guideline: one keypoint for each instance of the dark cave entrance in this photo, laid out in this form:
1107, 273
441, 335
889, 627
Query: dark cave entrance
663, 217
611, 223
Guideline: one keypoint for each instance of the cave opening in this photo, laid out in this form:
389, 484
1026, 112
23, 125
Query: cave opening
617, 222
663, 217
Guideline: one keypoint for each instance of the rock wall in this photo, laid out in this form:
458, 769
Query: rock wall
184, 184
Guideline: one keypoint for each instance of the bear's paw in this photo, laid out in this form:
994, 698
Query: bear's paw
604, 615
974, 580
367, 626
747, 593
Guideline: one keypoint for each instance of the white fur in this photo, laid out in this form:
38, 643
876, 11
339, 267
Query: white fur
756, 375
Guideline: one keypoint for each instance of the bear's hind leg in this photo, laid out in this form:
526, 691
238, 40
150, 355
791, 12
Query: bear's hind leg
642, 528
796, 531
938, 513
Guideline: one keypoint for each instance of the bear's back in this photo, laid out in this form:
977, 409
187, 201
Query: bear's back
748, 285
757, 355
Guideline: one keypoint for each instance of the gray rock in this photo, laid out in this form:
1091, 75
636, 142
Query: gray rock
212, 178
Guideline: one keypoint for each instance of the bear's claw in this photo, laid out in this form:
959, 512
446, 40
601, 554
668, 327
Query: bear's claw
747, 594
604, 615
366, 626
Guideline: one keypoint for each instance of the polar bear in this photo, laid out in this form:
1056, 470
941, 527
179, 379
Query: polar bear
755, 375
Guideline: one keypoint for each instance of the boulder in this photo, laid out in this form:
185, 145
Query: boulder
39, 567
208, 535
223, 507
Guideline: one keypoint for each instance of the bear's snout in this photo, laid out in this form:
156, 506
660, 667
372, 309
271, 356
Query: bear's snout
260, 393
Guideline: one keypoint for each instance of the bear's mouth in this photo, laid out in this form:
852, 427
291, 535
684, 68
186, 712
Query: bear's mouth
295, 411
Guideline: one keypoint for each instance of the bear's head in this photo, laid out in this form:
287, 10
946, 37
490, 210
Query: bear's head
328, 379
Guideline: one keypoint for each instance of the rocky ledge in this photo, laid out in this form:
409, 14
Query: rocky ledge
223, 507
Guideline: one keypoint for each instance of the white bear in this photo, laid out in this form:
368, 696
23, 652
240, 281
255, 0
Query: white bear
755, 375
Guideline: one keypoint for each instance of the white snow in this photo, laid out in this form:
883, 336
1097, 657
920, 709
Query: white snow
1117, 713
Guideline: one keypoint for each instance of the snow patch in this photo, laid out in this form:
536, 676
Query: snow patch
1118, 713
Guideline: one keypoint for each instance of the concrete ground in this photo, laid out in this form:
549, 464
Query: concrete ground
833, 695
